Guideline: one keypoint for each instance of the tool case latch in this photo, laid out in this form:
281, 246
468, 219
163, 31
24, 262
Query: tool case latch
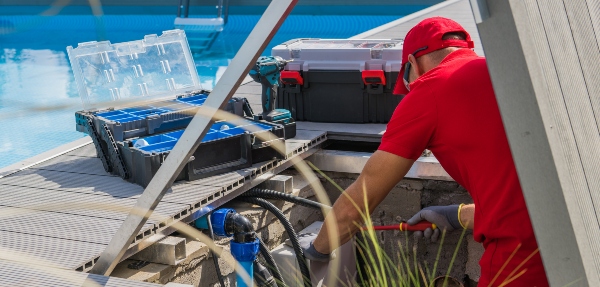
373, 77
291, 78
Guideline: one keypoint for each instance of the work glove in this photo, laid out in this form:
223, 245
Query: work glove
306, 242
444, 217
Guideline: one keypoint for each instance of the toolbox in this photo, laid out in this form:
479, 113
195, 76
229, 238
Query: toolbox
152, 117
147, 92
355, 76
227, 146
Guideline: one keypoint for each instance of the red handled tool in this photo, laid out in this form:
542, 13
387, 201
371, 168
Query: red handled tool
421, 226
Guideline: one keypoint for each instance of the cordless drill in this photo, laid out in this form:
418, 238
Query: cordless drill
267, 71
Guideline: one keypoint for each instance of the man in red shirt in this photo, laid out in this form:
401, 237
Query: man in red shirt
449, 108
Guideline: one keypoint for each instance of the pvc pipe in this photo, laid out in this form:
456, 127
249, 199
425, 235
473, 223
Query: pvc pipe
245, 254
249, 267
299, 252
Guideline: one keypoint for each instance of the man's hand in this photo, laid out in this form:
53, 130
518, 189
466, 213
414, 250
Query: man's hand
444, 217
382, 171
306, 242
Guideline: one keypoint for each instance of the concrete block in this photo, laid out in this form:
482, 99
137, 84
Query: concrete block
321, 272
197, 255
170, 251
281, 183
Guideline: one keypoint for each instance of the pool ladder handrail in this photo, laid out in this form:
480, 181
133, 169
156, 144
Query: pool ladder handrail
202, 39
222, 9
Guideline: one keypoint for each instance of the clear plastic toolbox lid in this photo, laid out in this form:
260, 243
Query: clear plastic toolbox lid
148, 69
364, 48
340, 54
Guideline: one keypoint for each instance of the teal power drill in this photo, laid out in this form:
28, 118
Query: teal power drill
267, 71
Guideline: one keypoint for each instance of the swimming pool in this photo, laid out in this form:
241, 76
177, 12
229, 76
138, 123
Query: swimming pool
38, 95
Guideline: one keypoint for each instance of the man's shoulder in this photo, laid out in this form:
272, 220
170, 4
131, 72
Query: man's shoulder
472, 72
470, 59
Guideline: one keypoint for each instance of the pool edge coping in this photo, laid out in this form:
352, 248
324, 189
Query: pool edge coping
45, 156
404, 19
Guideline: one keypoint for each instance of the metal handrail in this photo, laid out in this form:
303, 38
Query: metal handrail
241, 64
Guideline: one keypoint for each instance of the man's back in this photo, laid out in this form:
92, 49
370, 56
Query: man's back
452, 110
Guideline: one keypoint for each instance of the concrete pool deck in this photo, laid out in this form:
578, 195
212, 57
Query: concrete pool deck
62, 208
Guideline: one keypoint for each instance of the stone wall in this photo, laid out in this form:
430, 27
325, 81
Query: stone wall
403, 201
199, 270
406, 198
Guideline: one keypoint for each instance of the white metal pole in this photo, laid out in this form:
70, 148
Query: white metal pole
241, 64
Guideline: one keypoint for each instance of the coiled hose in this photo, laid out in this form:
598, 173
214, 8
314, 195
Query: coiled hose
290, 230
272, 194
271, 265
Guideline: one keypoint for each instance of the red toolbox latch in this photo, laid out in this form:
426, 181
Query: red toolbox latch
373, 77
291, 78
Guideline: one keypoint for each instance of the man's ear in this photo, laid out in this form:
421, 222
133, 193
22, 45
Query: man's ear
415, 65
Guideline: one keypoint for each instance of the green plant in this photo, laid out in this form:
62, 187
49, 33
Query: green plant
380, 268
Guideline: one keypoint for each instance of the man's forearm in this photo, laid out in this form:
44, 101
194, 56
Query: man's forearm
381, 172
467, 215
346, 217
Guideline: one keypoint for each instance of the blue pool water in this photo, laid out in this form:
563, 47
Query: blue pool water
38, 95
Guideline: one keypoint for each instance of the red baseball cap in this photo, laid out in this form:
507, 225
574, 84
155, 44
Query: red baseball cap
426, 37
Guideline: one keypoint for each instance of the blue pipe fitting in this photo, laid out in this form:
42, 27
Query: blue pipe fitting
244, 246
202, 222
218, 219
245, 254
244, 251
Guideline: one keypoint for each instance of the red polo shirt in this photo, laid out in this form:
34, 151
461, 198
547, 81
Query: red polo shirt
452, 111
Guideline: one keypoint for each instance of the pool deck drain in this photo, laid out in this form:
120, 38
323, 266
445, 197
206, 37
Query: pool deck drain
60, 209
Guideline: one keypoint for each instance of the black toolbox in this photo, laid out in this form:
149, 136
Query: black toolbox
339, 81
227, 146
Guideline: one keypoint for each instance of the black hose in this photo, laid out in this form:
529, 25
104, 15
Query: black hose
214, 254
272, 194
271, 265
290, 230
262, 276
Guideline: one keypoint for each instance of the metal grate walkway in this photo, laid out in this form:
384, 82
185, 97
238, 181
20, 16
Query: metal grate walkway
64, 211
19, 274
